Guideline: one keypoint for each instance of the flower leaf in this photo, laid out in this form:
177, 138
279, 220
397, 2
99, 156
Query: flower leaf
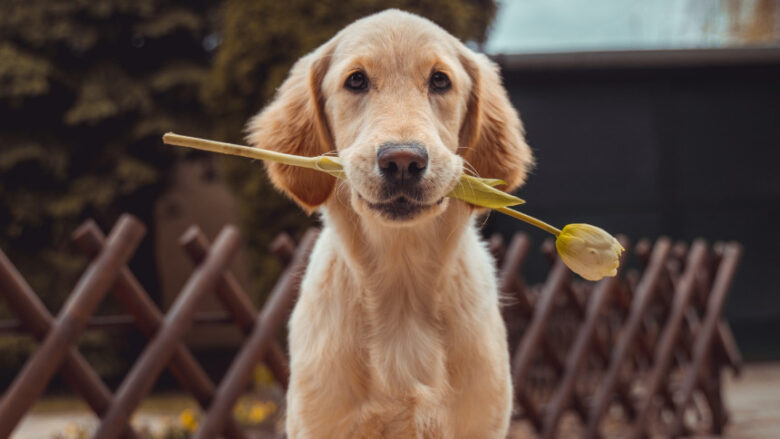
480, 192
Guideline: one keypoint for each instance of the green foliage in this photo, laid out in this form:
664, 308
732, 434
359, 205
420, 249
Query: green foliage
86, 89
261, 39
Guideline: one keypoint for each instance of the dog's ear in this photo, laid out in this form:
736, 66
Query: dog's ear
294, 123
492, 137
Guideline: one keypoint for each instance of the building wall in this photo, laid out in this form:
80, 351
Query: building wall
195, 197
682, 150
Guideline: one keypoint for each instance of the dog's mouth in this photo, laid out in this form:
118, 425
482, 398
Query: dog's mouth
401, 208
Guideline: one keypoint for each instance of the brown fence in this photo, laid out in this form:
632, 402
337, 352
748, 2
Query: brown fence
650, 341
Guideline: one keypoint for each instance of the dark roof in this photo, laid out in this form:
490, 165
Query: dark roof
640, 59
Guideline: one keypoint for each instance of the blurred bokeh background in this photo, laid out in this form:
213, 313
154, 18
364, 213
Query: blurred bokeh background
647, 118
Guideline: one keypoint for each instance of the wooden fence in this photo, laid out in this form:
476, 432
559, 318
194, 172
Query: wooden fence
650, 341
646, 341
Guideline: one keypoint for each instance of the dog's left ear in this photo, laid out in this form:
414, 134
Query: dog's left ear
492, 137
294, 123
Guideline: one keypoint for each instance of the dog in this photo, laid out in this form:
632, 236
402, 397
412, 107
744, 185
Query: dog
397, 331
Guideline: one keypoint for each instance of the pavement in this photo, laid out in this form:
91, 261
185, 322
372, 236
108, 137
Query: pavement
753, 400
74, 425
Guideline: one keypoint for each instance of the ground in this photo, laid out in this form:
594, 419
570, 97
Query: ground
753, 400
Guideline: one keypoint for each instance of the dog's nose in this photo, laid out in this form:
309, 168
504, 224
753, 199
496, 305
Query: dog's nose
402, 162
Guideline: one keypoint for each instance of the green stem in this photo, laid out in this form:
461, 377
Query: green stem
243, 151
530, 220
311, 163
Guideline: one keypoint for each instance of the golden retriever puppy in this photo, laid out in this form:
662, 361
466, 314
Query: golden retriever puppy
397, 332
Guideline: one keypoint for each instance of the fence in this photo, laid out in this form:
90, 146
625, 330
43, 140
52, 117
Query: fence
650, 341
646, 341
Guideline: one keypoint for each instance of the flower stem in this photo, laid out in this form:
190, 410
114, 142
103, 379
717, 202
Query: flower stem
331, 166
530, 220
239, 150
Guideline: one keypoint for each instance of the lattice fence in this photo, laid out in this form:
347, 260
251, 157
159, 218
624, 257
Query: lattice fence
636, 355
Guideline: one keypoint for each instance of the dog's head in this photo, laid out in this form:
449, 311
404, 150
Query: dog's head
407, 107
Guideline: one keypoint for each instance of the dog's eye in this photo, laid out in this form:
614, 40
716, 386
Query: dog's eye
440, 82
357, 82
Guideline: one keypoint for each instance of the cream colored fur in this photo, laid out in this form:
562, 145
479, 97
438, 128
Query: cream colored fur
397, 332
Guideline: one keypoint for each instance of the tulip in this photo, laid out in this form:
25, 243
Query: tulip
587, 250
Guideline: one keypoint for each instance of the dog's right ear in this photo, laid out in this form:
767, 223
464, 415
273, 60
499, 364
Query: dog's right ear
492, 134
294, 123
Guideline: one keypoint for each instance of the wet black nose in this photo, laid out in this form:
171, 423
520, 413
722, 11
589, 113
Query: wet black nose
402, 162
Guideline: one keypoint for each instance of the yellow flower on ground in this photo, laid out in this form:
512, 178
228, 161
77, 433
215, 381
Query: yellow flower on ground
262, 376
589, 251
260, 411
188, 420
253, 412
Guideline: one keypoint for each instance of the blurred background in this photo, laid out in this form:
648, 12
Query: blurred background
647, 118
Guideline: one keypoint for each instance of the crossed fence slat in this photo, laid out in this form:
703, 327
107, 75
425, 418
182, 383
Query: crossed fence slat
158, 352
90, 289
665, 349
533, 335
723, 342
237, 302
708, 331
37, 319
660, 330
663, 318
271, 318
579, 353
115, 411
149, 319
623, 346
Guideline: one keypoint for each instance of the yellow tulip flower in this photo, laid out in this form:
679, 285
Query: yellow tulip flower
587, 250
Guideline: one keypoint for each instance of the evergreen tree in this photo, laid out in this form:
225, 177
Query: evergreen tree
87, 87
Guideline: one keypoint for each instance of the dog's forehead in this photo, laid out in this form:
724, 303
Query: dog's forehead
395, 34
394, 24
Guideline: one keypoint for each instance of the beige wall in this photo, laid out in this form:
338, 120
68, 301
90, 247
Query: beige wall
193, 198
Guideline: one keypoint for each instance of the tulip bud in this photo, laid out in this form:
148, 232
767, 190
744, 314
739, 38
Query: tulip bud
589, 251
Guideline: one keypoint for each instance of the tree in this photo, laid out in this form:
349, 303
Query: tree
761, 25
86, 89
261, 39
